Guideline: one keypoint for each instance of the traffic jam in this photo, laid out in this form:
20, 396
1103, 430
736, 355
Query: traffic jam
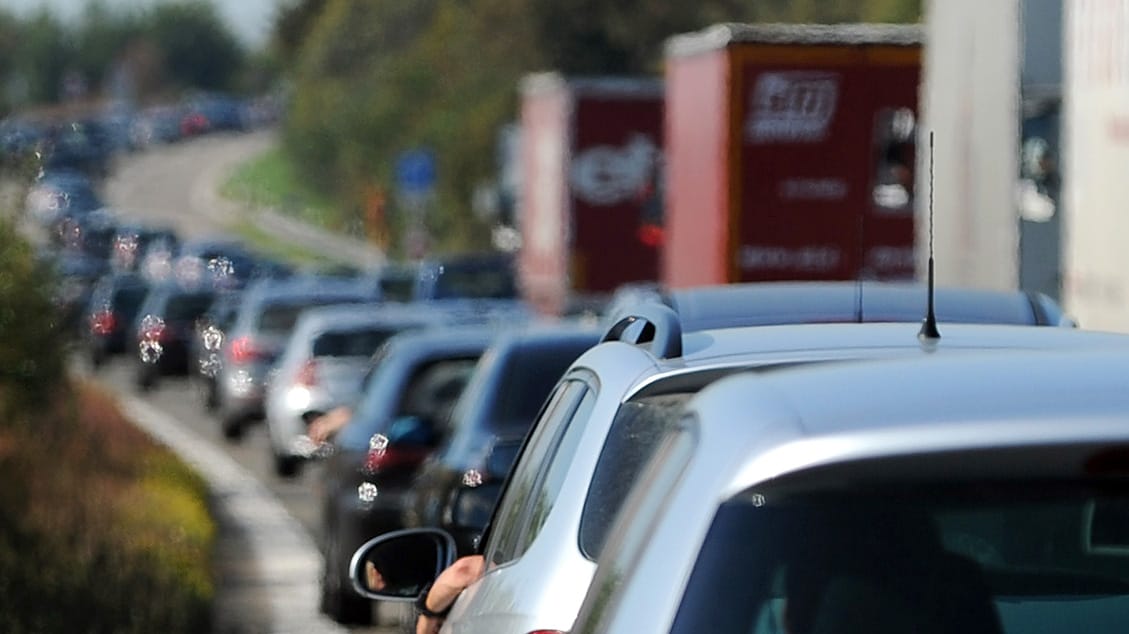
721, 374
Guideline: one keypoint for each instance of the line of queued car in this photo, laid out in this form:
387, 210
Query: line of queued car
718, 464
803, 453
89, 141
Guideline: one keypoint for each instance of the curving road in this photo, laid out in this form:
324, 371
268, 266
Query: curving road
178, 186
266, 563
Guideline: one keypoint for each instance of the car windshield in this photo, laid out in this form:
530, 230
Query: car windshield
455, 282
984, 556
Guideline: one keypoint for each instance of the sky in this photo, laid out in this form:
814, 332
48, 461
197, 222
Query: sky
250, 20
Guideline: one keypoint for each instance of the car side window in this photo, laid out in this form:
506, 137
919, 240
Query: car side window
506, 538
555, 468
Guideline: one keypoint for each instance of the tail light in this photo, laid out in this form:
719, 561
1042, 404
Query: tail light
243, 350
308, 375
102, 322
387, 458
650, 235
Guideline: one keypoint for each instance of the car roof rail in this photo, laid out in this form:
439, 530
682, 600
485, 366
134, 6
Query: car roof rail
660, 326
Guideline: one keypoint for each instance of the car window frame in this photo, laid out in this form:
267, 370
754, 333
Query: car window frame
488, 541
646, 502
569, 434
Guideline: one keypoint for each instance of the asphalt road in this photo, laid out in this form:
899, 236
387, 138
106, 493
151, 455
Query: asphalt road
178, 186
266, 564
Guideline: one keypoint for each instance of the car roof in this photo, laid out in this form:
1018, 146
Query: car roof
797, 343
303, 286
342, 316
761, 303
800, 418
454, 339
1001, 414
306, 283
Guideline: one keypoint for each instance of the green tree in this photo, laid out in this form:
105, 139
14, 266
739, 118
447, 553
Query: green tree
292, 26
31, 346
46, 52
9, 27
198, 48
375, 78
101, 38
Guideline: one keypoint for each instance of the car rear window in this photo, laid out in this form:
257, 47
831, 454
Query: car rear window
280, 317
351, 343
992, 556
529, 378
478, 282
187, 307
636, 433
128, 299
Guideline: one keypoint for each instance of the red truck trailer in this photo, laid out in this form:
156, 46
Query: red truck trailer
589, 208
790, 153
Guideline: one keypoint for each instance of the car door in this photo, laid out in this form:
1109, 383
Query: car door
525, 503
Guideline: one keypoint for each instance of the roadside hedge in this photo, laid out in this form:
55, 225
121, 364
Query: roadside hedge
101, 529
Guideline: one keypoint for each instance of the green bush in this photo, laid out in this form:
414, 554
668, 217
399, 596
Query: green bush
31, 345
101, 530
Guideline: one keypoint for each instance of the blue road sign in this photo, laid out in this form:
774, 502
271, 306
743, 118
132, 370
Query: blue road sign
415, 171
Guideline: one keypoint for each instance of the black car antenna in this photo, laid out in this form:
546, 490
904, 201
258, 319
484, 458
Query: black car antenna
929, 325
861, 267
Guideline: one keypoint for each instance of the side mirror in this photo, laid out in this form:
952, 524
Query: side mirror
396, 566
472, 504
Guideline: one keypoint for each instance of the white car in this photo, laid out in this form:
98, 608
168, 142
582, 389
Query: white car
606, 418
960, 494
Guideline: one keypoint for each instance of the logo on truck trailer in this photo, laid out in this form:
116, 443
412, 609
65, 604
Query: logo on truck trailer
793, 106
607, 175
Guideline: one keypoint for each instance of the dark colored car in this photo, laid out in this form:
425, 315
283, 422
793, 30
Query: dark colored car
82, 145
267, 314
164, 328
131, 240
467, 276
76, 273
155, 125
396, 282
211, 330
458, 485
91, 232
217, 112
221, 263
113, 307
60, 193
399, 420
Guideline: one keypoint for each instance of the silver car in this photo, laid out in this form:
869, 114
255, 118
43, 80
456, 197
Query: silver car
958, 494
266, 315
605, 419
323, 365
